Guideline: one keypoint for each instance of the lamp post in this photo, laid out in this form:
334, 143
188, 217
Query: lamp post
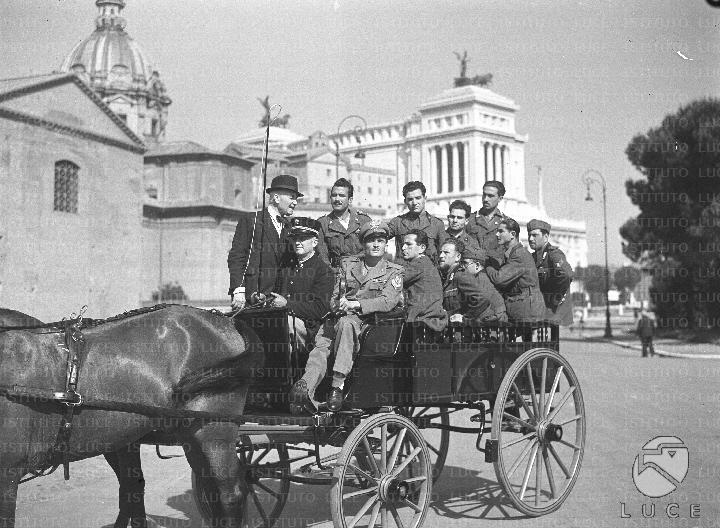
587, 180
357, 130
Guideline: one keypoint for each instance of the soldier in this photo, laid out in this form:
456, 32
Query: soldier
468, 294
371, 284
417, 218
517, 277
484, 223
263, 232
554, 273
422, 284
458, 216
339, 229
305, 283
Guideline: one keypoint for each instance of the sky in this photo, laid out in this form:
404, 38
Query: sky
587, 75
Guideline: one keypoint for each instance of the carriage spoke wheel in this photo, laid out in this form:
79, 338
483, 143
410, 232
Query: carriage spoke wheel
372, 483
266, 470
539, 426
437, 440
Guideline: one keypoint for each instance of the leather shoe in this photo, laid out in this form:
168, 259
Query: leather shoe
335, 399
300, 400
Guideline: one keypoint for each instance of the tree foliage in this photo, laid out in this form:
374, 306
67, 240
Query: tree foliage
627, 277
676, 233
593, 277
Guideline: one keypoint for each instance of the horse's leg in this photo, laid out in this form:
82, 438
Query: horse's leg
211, 451
8, 496
126, 464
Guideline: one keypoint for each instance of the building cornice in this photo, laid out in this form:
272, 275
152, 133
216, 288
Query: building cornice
218, 212
164, 159
69, 130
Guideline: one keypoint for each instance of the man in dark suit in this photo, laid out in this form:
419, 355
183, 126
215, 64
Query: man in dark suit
339, 230
485, 222
260, 243
417, 218
554, 272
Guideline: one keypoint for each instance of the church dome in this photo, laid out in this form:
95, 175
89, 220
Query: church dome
113, 65
109, 59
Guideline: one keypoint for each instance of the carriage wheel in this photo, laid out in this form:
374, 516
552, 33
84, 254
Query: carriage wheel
387, 493
438, 446
267, 467
540, 433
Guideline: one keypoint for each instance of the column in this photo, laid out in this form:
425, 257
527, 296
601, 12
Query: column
442, 168
502, 163
451, 167
494, 162
485, 158
461, 165
432, 169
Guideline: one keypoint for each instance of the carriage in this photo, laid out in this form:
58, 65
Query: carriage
508, 386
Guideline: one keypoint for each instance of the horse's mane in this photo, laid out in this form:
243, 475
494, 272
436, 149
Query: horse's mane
224, 376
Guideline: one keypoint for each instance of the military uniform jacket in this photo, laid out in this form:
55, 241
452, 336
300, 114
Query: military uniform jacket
517, 280
378, 290
472, 296
433, 227
337, 242
484, 232
424, 294
307, 287
467, 240
555, 275
243, 263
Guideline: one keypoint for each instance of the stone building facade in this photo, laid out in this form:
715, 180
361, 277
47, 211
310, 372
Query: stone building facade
71, 177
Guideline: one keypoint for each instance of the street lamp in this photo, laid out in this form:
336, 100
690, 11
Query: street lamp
587, 180
357, 131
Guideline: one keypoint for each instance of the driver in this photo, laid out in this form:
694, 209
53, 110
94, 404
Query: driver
366, 284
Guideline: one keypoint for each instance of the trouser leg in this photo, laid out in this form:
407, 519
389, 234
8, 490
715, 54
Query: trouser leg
298, 333
347, 341
316, 365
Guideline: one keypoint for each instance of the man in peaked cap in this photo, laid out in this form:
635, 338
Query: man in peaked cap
365, 285
554, 273
305, 284
262, 232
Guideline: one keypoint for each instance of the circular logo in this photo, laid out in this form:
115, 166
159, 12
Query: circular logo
660, 466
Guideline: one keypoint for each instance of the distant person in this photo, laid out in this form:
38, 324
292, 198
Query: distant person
554, 273
421, 281
417, 218
646, 330
339, 230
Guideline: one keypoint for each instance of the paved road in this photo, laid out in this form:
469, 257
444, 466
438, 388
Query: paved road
628, 400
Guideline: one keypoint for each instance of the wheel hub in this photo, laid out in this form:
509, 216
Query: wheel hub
548, 432
393, 489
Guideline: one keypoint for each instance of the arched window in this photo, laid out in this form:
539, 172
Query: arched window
66, 187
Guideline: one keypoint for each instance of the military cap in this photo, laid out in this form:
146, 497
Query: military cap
475, 253
374, 227
286, 182
538, 224
302, 225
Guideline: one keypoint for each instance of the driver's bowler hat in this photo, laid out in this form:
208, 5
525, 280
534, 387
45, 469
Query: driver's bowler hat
284, 182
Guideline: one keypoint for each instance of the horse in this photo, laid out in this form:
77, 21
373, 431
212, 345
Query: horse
147, 370
125, 462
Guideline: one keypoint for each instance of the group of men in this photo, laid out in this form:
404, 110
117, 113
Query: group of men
334, 273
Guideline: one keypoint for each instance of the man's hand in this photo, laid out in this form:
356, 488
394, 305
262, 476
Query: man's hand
278, 301
349, 306
238, 301
456, 318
